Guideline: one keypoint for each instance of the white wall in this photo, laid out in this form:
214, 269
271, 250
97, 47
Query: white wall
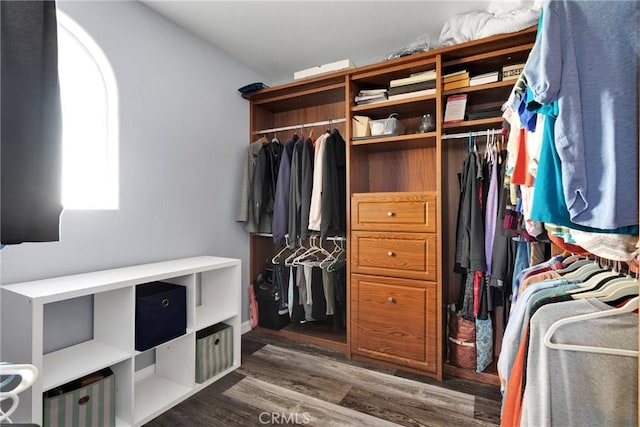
183, 131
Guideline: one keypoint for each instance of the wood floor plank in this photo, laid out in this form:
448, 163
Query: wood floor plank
487, 391
211, 408
294, 376
409, 413
273, 399
487, 410
383, 384
284, 342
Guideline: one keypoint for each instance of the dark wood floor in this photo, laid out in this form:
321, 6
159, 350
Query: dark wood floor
285, 382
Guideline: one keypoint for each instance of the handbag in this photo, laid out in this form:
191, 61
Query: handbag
462, 342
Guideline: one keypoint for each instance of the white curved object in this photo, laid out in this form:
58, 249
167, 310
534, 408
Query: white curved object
27, 373
630, 306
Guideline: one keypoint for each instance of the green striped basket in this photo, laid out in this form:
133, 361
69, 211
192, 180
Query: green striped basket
79, 406
214, 351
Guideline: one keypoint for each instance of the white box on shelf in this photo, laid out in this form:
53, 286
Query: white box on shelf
325, 68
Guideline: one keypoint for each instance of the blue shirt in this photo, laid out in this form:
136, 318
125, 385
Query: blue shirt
586, 58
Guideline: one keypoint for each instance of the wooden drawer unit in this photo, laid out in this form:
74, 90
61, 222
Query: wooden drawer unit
394, 320
394, 212
410, 255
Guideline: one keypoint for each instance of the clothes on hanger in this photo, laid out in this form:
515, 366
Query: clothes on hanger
531, 378
593, 142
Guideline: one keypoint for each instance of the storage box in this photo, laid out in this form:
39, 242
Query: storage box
389, 126
361, 126
88, 401
214, 351
325, 68
161, 313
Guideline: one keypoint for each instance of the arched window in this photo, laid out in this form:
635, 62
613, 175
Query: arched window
89, 101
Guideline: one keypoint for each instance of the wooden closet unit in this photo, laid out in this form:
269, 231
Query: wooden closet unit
402, 196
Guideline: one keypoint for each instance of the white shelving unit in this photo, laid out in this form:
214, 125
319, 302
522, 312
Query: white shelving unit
213, 286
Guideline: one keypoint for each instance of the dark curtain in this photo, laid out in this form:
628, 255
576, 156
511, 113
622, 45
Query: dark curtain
31, 129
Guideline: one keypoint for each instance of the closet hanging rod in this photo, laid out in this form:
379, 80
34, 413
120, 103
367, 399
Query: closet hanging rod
304, 125
336, 238
466, 134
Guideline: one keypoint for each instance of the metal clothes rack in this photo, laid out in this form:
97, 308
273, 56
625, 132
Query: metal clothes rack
304, 125
469, 134
332, 238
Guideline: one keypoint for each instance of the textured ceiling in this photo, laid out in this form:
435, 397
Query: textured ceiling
277, 38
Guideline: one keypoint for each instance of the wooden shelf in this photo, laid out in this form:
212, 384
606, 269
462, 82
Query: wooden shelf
490, 376
509, 54
471, 125
397, 142
307, 98
392, 103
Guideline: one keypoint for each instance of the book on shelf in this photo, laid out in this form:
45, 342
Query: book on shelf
414, 78
458, 75
512, 72
455, 108
485, 106
366, 92
484, 110
362, 100
484, 114
456, 84
369, 96
406, 95
482, 79
431, 84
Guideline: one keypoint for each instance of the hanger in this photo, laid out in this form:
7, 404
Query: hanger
314, 250
332, 256
338, 258
488, 146
300, 249
275, 259
592, 283
629, 307
583, 271
573, 265
264, 140
624, 287
615, 289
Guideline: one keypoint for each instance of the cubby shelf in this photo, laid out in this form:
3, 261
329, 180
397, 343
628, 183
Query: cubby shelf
213, 295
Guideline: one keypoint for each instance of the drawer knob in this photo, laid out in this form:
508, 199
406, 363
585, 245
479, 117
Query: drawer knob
390, 299
390, 253
390, 214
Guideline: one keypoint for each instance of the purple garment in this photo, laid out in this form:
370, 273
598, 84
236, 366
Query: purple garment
280, 224
491, 212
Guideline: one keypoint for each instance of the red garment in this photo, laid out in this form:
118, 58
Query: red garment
559, 242
477, 287
519, 176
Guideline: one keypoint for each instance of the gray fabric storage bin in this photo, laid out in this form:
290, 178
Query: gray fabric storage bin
214, 351
86, 402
